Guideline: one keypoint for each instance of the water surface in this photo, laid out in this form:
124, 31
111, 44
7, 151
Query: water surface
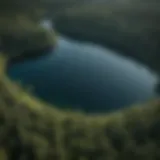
86, 77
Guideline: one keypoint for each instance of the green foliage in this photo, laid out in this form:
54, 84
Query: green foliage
31, 129
20, 33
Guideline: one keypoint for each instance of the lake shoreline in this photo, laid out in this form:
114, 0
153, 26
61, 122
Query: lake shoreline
132, 32
82, 76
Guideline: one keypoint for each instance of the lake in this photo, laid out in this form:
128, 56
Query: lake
84, 76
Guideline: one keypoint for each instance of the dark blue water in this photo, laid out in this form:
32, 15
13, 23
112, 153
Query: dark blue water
86, 77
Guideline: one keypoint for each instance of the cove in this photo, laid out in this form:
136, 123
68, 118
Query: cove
87, 77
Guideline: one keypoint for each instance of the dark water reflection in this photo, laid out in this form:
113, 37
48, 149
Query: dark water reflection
86, 77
